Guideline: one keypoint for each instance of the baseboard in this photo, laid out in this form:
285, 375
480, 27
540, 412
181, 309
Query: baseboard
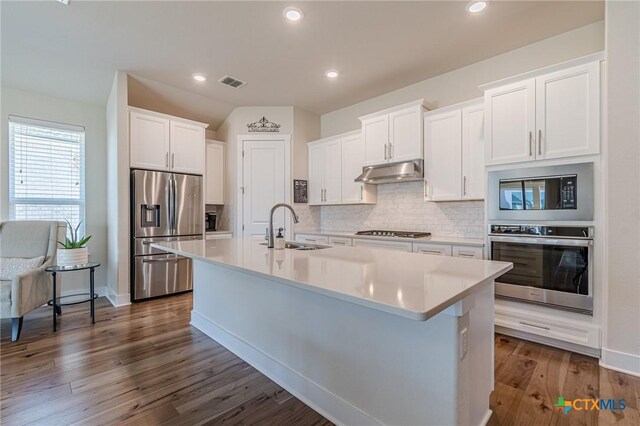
118, 300
329, 405
620, 361
567, 346
486, 418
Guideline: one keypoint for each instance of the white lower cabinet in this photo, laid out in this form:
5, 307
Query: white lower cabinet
389, 245
435, 249
468, 252
555, 327
314, 239
340, 241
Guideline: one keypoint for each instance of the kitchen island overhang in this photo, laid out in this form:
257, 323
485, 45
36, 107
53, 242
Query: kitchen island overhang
363, 336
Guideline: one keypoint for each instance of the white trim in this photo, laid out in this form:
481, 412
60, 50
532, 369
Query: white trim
477, 102
118, 300
567, 346
620, 361
595, 57
486, 418
36, 122
315, 396
416, 103
168, 117
288, 183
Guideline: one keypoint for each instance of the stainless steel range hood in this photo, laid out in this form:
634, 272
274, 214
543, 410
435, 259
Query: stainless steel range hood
404, 171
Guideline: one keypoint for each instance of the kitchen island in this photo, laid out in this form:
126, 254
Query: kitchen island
362, 335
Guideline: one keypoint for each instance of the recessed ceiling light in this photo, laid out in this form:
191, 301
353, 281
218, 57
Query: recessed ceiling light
293, 14
476, 6
331, 73
199, 77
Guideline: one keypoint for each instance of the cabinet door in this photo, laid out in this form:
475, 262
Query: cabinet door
568, 112
433, 249
473, 153
333, 171
510, 123
389, 245
405, 134
375, 133
316, 174
352, 162
149, 140
443, 162
214, 173
187, 148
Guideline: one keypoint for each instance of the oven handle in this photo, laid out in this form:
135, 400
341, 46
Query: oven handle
540, 240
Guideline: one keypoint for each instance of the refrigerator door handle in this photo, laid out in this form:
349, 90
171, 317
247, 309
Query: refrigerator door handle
168, 191
174, 202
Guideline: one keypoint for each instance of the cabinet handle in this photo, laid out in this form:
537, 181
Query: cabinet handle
534, 325
340, 243
530, 146
426, 189
173, 160
166, 159
325, 194
390, 151
539, 142
429, 251
361, 192
464, 185
311, 240
385, 151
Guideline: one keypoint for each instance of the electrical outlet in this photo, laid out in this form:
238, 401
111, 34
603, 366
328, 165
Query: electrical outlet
464, 343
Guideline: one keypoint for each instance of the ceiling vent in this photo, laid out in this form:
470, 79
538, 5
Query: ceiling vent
230, 81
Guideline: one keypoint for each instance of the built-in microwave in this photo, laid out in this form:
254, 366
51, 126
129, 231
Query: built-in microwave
551, 193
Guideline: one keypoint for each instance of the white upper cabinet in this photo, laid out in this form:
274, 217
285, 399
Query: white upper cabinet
187, 148
149, 136
454, 152
568, 112
393, 135
473, 178
214, 172
325, 171
551, 115
510, 119
352, 163
405, 134
375, 133
443, 160
161, 142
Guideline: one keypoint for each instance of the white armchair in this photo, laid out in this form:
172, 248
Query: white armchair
32, 289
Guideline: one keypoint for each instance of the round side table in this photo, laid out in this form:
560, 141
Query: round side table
55, 302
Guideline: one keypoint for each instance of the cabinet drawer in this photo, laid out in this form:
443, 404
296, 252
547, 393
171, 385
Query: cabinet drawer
339, 241
435, 249
468, 252
553, 327
389, 245
305, 238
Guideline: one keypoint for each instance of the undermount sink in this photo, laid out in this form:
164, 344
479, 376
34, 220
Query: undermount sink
301, 246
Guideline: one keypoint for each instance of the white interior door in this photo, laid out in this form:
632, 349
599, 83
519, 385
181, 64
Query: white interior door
263, 180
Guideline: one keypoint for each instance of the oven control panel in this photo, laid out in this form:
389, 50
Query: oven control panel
543, 231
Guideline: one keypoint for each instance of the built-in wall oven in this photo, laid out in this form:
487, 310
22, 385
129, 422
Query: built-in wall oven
552, 265
540, 220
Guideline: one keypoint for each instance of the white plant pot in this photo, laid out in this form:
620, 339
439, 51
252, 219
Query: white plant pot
71, 257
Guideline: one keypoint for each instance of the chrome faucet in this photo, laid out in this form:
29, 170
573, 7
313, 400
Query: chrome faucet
270, 230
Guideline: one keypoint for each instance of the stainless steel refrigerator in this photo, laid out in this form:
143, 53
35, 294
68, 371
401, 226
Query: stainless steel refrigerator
164, 207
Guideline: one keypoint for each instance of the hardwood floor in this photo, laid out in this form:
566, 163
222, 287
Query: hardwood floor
144, 365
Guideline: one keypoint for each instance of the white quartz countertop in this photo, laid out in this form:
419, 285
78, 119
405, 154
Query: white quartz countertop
476, 242
411, 285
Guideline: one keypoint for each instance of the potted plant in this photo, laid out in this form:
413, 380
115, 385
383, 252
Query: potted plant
74, 251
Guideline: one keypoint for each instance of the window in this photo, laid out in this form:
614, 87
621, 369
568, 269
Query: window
46, 171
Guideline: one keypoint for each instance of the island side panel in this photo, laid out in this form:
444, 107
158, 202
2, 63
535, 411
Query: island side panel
352, 364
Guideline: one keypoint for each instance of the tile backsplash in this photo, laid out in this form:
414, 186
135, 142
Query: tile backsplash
401, 206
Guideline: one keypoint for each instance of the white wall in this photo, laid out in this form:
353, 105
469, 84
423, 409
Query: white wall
462, 84
117, 147
621, 345
92, 117
306, 128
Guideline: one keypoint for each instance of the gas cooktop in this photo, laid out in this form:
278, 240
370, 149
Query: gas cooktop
399, 234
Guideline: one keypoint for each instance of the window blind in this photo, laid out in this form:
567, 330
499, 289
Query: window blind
46, 171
